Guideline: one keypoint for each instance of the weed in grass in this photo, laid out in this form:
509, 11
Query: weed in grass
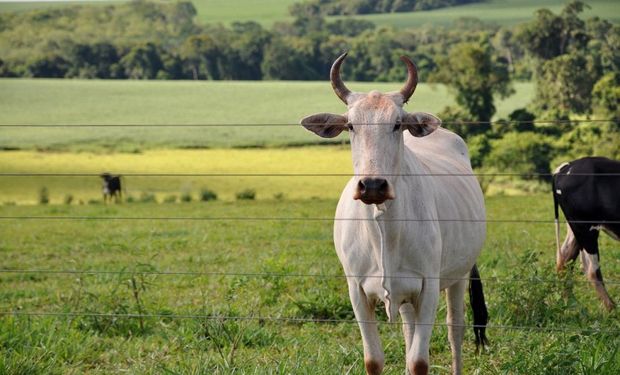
44, 195
323, 302
68, 199
146, 197
126, 295
227, 336
171, 198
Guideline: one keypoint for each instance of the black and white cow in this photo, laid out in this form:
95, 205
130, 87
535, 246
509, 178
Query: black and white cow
111, 187
588, 191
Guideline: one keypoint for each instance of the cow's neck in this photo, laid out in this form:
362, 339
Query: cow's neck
388, 222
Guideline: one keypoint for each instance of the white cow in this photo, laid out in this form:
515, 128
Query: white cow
410, 223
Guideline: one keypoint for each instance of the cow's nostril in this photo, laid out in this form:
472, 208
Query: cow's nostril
361, 187
383, 187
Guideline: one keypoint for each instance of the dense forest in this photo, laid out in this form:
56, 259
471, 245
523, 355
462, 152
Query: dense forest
574, 62
350, 7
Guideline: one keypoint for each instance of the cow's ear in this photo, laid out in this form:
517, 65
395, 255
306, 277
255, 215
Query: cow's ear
421, 124
326, 125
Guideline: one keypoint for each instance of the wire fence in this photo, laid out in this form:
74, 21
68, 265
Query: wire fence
290, 124
327, 219
138, 174
295, 320
492, 279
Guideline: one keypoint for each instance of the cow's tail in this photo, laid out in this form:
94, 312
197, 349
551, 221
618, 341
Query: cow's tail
479, 308
556, 214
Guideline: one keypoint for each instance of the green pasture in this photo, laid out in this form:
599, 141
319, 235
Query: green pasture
266, 12
498, 12
229, 105
242, 274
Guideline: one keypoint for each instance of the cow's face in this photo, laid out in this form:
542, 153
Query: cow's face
375, 123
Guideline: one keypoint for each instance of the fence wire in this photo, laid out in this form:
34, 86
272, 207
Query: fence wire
297, 219
492, 279
295, 124
301, 320
171, 174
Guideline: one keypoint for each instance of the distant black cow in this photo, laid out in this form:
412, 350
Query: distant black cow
588, 191
111, 187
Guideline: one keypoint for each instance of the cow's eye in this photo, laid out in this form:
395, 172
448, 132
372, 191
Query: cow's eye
397, 125
349, 126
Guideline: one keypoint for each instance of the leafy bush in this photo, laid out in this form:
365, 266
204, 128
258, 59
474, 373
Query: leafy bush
524, 153
186, 197
247, 194
207, 195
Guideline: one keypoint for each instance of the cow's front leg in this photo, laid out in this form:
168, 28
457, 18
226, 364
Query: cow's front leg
426, 309
364, 310
407, 313
455, 319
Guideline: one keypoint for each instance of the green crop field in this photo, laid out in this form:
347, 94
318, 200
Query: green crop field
499, 12
266, 12
94, 102
244, 278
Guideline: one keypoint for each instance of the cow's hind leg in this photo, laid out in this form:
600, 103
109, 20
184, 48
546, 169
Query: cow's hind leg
455, 295
569, 250
592, 270
364, 310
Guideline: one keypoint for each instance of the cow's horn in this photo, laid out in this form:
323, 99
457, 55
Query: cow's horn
412, 79
334, 75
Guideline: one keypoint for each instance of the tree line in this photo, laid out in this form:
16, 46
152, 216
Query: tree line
575, 64
311, 8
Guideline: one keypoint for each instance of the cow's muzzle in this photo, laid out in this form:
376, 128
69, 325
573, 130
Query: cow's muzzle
373, 190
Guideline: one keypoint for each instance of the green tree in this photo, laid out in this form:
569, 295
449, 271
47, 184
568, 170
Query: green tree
550, 35
476, 75
564, 86
143, 61
606, 97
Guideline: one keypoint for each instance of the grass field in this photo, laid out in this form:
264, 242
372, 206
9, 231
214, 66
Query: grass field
498, 12
253, 253
75, 102
266, 12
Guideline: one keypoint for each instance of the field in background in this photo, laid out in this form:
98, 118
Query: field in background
498, 12
76, 102
246, 256
306, 160
266, 12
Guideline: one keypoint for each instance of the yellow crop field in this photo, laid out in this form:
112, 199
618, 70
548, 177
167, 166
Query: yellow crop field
230, 163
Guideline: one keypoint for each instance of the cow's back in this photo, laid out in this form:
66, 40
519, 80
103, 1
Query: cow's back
458, 197
588, 189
